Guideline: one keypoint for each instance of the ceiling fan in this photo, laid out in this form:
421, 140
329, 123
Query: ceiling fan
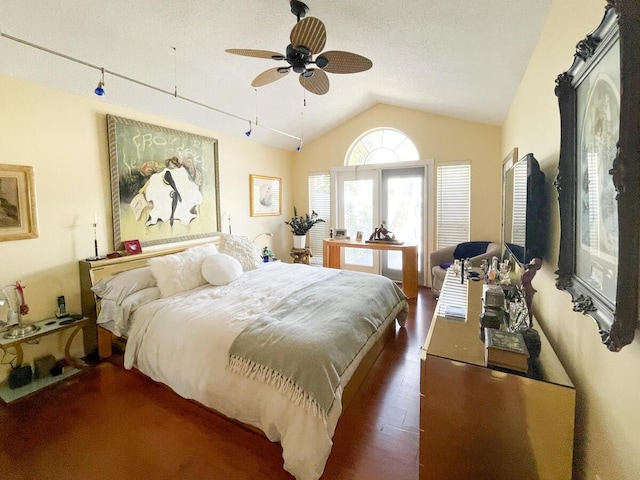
307, 38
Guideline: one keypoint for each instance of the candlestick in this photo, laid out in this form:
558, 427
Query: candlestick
95, 240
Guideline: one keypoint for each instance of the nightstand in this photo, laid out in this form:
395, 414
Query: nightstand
44, 328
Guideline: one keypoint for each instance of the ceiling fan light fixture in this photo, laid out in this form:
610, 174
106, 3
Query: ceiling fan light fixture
283, 69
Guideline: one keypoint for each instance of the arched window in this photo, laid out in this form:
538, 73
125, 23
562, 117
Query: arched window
382, 145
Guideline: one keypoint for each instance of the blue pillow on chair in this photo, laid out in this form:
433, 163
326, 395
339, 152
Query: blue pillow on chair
470, 249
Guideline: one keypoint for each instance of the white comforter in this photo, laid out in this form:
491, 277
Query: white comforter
183, 342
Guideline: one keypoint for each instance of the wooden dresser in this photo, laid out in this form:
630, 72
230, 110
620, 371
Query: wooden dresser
480, 422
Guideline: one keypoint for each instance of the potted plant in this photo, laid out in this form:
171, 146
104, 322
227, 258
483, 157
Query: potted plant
300, 225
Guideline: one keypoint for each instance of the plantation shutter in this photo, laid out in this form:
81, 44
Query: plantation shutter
453, 204
319, 201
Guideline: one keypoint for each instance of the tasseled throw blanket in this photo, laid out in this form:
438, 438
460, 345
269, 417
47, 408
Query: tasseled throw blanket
305, 344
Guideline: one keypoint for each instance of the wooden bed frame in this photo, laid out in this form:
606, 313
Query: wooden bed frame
102, 340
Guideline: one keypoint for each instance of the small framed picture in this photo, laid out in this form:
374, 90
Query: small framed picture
18, 218
132, 247
265, 195
358, 236
340, 233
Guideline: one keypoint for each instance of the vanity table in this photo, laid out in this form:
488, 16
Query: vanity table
483, 422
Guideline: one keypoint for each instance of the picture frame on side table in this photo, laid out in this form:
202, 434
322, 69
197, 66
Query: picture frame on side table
18, 213
340, 233
164, 183
598, 175
265, 195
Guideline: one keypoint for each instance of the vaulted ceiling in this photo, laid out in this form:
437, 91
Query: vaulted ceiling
460, 58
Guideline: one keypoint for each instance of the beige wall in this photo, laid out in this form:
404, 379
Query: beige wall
607, 384
436, 137
64, 137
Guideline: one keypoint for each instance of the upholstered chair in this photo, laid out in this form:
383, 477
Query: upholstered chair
443, 258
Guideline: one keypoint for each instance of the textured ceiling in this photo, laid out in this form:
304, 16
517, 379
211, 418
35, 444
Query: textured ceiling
461, 58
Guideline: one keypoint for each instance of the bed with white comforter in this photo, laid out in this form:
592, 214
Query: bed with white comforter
184, 341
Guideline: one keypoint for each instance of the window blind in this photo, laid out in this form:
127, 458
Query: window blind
453, 204
319, 201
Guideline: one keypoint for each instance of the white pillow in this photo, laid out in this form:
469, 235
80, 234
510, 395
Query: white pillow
182, 271
120, 286
221, 269
119, 315
242, 249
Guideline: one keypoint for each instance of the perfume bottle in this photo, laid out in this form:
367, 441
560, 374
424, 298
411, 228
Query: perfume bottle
493, 274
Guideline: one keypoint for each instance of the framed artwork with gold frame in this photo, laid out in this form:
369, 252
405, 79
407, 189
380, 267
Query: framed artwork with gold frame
18, 214
266, 195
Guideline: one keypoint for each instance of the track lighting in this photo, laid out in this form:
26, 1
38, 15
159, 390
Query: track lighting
100, 89
248, 132
299, 147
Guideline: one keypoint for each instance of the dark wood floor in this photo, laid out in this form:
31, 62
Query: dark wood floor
110, 423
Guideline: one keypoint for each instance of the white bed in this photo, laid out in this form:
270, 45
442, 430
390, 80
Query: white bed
184, 340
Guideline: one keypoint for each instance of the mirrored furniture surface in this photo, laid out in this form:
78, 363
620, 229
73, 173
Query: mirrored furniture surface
485, 422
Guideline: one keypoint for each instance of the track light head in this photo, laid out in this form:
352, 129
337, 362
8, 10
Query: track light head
248, 133
100, 88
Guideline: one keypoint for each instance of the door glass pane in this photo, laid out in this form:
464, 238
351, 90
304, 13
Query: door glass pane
403, 207
358, 216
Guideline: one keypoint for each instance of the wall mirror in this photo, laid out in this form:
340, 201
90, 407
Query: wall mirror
597, 182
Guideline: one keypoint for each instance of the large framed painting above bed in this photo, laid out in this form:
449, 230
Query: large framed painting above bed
275, 346
164, 183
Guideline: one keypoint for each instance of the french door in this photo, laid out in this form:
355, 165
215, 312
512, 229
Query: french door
366, 196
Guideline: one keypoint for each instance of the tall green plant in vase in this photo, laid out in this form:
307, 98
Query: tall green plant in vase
300, 225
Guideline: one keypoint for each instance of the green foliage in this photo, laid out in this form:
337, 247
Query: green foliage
300, 225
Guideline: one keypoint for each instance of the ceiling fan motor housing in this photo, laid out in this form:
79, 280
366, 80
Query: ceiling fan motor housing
298, 58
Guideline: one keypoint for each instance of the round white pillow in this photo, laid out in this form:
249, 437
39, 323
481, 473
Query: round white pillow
220, 269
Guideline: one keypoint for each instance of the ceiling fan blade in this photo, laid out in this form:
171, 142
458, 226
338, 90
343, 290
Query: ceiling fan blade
269, 76
247, 52
345, 62
317, 83
309, 33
